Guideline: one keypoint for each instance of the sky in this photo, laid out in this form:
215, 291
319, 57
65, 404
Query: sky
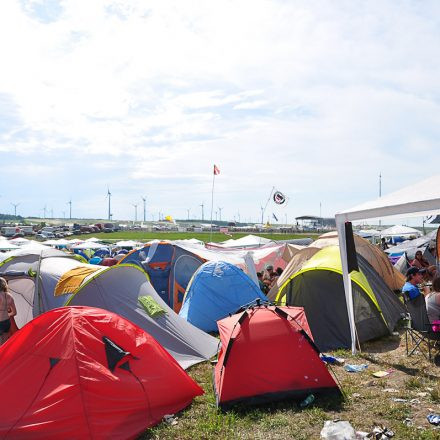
141, 98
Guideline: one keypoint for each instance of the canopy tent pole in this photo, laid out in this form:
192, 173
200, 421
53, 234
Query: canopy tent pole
347, 280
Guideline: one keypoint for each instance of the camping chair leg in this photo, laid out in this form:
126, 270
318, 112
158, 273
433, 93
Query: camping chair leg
416, 342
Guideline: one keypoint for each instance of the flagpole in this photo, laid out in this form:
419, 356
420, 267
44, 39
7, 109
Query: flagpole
268, 200
212, 202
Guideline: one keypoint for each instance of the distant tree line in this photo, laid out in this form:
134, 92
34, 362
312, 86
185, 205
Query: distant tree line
11, 217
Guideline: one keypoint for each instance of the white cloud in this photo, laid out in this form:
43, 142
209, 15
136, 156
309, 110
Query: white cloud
313, 98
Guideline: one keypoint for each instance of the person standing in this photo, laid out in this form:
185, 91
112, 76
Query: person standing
7, 310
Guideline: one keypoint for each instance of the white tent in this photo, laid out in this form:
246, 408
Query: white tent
244, 242
420, 199
128, 243
365, 233
399, 231
6, 245
88, 245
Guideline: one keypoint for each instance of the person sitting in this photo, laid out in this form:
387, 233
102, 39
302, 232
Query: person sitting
414, 276
433, 301
430, 274
262, 286
7, 310
419, 261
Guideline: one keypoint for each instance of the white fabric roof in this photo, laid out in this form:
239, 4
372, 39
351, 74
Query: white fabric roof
6, 245
88, 245
398, 230
421, 199
368, 233
247, 241
128, 243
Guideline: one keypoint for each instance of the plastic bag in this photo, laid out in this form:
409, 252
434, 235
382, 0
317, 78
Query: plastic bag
340, 430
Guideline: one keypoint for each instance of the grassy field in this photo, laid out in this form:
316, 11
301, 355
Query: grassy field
203, 236
367, 402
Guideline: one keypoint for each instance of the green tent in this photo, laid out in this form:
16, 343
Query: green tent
318, 287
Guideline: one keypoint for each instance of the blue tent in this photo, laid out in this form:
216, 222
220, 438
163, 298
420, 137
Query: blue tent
169, 267
217, 289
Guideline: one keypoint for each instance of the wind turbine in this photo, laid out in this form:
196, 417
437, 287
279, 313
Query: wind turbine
70, 208
15, 208
109, 195
135, 212
220, 212
144, 200
202, 205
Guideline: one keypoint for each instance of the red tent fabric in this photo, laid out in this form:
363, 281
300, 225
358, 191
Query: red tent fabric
267, 353
81, 373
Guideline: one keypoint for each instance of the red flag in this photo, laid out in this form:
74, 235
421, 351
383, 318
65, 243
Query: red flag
216, 170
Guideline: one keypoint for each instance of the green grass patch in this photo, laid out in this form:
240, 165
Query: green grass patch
202, 236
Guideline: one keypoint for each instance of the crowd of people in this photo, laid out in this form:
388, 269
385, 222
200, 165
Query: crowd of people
268, 277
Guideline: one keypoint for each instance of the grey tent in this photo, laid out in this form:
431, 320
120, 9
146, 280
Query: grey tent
120, 289
125, 290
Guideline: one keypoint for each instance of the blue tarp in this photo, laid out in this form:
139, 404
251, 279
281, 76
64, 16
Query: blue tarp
217, 289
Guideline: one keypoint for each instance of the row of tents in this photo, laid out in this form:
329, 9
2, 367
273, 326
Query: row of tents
121, 318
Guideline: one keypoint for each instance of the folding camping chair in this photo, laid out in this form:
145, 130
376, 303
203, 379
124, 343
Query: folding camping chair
418, 331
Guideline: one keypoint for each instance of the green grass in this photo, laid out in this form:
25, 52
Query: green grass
366, 404
203, 236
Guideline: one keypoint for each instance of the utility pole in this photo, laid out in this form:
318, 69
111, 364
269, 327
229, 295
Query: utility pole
70, 208
144, 200
320, 214
380, 191
203, 217
262, 215
15, 208
109, 195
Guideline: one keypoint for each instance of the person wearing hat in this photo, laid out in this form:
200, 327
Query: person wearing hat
414, 277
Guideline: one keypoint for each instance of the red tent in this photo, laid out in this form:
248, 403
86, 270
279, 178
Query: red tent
267, 353
81, 372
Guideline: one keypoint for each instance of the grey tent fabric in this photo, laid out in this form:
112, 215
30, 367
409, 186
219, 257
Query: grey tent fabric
20, 269
321, 293
389, 303
20, 260
118, 289
115, 288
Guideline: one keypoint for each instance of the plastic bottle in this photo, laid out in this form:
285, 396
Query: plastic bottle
307, 401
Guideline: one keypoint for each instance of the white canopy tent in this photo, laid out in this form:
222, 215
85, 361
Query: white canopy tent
400, 231
420, 199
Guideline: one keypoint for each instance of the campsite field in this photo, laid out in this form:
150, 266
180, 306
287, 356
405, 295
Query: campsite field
367, 402
203, 236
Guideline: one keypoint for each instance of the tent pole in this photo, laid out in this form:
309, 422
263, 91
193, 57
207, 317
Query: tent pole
340, 225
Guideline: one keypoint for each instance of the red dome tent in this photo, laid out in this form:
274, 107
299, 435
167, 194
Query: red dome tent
267, 354
81, 372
